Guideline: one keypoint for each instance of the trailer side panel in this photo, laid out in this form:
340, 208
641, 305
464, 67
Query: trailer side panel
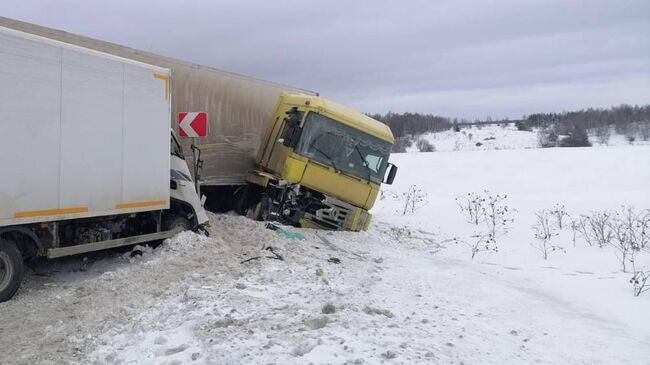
239, 108
83, 133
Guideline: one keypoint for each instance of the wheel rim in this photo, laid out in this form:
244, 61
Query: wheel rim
180, 226
6, 270
261, 210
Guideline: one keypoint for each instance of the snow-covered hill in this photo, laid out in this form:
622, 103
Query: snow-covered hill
506, 137
402, 293
473, 138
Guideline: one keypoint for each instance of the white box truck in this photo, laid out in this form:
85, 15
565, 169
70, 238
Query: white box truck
87, 156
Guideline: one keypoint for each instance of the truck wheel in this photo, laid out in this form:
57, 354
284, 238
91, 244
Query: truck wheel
241, 202
261, 211
175, 222
11, 270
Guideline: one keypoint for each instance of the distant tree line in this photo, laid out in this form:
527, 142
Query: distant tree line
631, 121
407, 125
413, 123
621, 117
564, 129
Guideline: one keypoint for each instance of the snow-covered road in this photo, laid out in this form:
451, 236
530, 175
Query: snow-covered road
391, 299
401, 293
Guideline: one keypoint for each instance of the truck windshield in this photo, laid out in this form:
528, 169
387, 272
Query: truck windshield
346, 149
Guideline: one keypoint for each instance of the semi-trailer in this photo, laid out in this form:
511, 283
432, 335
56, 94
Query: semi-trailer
273, 151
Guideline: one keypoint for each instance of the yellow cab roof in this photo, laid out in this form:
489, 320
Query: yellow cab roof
343, 114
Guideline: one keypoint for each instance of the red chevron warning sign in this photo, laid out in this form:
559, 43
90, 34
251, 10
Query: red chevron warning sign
193, 124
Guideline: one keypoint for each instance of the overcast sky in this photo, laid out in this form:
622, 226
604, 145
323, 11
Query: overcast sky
452, 58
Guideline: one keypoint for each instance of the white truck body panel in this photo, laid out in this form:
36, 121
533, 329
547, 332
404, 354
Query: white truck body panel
82, 133
240, 108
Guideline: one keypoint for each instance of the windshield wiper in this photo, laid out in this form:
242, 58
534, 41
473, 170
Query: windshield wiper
326, 156
363, 160
313, 145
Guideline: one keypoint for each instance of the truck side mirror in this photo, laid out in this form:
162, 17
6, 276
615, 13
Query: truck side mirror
292, 131
390, 177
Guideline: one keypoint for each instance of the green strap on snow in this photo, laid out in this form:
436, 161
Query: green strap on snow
290, 234
335, 247
328, 243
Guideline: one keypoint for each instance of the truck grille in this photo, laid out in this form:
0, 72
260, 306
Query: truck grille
339, 214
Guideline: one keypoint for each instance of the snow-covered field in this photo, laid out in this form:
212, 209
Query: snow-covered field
507, 137
473, 138
402, 293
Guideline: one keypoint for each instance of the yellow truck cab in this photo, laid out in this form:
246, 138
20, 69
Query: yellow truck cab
321, 165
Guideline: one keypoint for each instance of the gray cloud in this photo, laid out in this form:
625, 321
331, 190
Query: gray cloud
456, 58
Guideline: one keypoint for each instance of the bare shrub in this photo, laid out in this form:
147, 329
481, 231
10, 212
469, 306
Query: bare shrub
559, 213
471, 206
595, 228
491, 210
638, 225
413, 199
545, 230
640, 282
425, 146
487, 210
629, 234
479, 242
621, 238
581, 227
643, 229
574, 231
498, 214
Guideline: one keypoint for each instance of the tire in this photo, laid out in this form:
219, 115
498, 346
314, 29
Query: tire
12, 270
172, 222
261, 211
241, 202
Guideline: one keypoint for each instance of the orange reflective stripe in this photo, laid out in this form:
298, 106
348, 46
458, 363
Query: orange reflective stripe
150, 203
37, 213
166, 79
